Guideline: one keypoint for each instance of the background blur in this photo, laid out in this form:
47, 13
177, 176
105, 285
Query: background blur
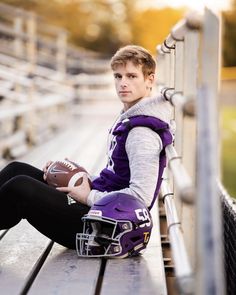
105, 25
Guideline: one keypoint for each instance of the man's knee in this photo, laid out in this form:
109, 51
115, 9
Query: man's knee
19, 185
15, 166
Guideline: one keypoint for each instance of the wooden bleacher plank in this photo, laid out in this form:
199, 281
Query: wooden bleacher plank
9, 112
93, 156
20, 249
140, 275
86, 135
65, 273
62, 145
25, 67
84, 138
42, 83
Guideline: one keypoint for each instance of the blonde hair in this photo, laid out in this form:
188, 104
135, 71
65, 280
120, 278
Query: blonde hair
137, 55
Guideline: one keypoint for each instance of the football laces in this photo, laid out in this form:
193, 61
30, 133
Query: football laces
69, 165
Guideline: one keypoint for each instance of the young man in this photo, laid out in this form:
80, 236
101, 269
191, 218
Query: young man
137, 172
135, 159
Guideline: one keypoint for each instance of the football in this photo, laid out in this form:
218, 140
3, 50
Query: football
65, 173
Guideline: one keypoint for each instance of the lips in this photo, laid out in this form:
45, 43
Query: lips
124, 92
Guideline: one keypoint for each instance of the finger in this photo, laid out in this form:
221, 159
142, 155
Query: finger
45, 167
48, 164
86, 184
85, 180
85, 177
64, 189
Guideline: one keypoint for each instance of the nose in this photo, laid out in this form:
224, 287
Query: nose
123, 82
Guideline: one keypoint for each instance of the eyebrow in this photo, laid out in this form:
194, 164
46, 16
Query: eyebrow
129, 73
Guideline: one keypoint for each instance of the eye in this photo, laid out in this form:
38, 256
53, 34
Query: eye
131, 76
117, 76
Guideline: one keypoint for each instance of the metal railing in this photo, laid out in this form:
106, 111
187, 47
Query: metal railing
183, 269
181, 177
188, 64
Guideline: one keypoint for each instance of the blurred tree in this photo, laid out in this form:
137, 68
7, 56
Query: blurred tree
29, 5
105, 25
229, 36
109, 25
106, 28
101, 25
151, 27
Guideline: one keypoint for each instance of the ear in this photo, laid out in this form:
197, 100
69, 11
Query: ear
151, 79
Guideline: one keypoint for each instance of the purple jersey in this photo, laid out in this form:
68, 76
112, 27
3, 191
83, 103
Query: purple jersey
116, 175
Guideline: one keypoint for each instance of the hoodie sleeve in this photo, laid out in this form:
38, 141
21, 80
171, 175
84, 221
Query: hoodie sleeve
143, 147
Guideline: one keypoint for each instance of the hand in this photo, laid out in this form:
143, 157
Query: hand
45, 169
79, 193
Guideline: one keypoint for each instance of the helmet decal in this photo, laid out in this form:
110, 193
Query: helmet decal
146, 236
143, 216
95, 212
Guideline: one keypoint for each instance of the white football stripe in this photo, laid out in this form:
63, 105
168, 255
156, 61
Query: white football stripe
75, 177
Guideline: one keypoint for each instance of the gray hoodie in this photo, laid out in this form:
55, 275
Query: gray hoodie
144, 157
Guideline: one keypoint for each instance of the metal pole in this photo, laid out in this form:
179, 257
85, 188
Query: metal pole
183, 270
182, 180
210, 272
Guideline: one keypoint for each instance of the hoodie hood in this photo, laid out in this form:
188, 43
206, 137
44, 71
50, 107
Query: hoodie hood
155, 106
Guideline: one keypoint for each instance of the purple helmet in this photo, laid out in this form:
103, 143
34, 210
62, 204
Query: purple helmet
118, 225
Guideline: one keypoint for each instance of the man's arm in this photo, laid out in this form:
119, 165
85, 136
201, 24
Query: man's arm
143, 147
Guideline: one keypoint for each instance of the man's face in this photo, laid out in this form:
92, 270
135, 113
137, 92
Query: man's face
131, 86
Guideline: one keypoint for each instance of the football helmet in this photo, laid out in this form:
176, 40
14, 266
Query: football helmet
118, 225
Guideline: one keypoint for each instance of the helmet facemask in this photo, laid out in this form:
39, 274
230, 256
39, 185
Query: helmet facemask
101, 237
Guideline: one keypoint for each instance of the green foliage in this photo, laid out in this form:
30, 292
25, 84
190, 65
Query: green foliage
228, 154
229, 38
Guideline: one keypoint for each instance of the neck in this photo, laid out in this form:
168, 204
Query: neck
129, 105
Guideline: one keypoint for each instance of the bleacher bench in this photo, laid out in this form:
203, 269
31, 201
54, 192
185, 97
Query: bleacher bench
30, 263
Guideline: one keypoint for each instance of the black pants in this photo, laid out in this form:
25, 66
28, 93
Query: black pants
24, 194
